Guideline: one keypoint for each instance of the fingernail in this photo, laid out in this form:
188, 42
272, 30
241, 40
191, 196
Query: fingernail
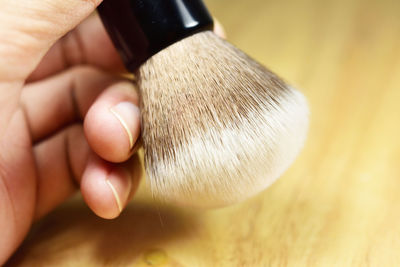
120, 184
128, 115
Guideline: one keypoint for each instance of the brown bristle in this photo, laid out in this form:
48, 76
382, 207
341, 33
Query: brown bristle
217, 127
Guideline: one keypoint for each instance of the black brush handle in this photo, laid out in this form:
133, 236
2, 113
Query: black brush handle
141, 28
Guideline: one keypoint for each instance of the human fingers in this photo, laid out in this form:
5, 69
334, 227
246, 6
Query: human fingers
219, 29
60, 162
87, 44
65, 162
107, 187
65, 98
112, 124
30, 27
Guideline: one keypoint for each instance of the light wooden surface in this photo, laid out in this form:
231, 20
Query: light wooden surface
338, 205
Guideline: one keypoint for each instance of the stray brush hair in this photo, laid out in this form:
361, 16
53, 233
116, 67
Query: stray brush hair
217, 127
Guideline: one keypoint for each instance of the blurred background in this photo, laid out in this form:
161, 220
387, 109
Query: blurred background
338, 205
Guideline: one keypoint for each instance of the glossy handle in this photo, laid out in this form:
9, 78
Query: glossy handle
141, 28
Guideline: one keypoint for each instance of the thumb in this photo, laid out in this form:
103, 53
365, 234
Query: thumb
28, 28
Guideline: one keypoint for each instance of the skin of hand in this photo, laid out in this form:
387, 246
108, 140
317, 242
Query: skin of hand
67, 119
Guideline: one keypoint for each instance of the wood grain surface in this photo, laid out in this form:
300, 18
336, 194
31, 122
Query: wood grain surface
338, 205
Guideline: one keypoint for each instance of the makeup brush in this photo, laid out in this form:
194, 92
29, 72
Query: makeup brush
217, 127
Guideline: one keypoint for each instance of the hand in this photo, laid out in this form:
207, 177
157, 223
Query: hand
66, 117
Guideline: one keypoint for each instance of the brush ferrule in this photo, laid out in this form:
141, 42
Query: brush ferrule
141, 28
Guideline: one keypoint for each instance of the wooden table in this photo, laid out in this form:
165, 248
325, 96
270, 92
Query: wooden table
338, 205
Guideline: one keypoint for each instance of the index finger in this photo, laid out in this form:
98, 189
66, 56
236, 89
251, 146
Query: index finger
88, 44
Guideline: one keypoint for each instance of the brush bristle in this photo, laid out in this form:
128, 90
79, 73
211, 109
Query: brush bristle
217, 127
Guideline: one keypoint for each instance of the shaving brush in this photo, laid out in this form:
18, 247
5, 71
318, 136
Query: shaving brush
217, 127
